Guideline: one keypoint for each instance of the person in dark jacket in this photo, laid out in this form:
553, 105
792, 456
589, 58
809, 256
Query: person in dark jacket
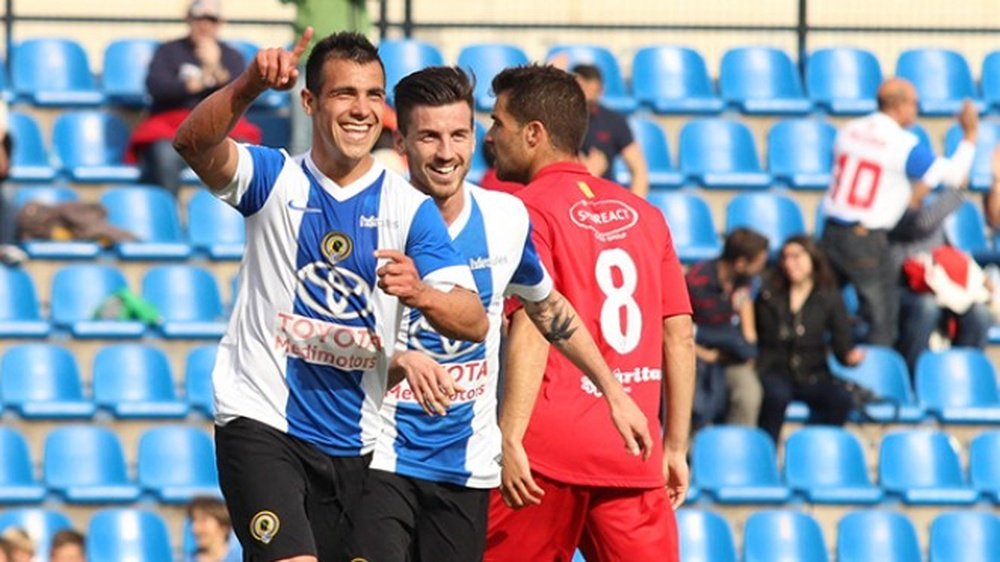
800, 315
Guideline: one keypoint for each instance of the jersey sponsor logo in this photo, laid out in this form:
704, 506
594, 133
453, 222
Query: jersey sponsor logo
334, 291
336, 246
422, 337
470, 375
486, 262
627, 378
264, 526
375, 222
302, 208
314, 341
609, 220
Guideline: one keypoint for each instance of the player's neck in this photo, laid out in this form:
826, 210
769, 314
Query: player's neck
451, 207
343, 171
548, 157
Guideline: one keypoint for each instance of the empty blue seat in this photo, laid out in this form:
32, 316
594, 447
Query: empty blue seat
134, 381
404, 56
270, 99
77, 293
674, 80
989, 79
187, 298
939, 479
984, 464
877, 536
721, 153
45, 194
965, 536
843, 80
737, 465
53, 72
39, 523
91, 145
690, 221
126, 63
800, 153
942, 79
215, 228
29, 160
884, 372
150, 213
965, 229
42, 381
615, 95
17, 474
19, 315
774, 215
782, 535
128, 534
177, 463
85, 464
198, 378
484, 61
827, 465
981, 174
762, 81
958, 385
705, 536
652, 141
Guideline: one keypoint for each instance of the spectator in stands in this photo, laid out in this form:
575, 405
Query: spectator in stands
182, 73
22, 548
725, 338
881, 168
5, 554
68, 546
991, 201
9, 253
608, 135
212, 529
800, 315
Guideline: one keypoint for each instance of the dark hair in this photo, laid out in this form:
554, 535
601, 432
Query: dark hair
434, 86
344, 45
213, 507
5, 548
743, 243
588, 72
65, 537
547, 95
823, 277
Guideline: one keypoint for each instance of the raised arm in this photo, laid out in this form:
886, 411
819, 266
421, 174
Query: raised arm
991, 201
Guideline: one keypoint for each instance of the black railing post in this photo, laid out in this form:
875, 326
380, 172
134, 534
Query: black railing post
8, 29
408, 19
383, 20
802, 31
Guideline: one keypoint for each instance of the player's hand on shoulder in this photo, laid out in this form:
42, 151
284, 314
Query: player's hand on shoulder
399, 277
517, 487
432, 386
631, 423
277, 68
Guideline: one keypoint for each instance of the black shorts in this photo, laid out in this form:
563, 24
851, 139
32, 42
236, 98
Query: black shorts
409, 519
285, 497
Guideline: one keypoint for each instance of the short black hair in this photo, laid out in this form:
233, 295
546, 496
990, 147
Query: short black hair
343, 45
743, 243
547, 95
588, 72
433, 86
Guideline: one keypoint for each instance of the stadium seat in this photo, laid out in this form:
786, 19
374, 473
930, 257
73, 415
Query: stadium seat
484, 61
91, 146
988, 134
53, 72
42, 381
47, 194
884, 372
772, 214
19, 315
827, 465
762, 81
783, 535
965, 229
877, 536
652, 142
128, 534
938, 481
965, 536
29, 160
690, 221
134, 381
478, 165
843, 80
78, 291
85, 464
674, 81
150, 213
215, 228
922, 136
989, 79
270, 99
404, 56
126, 63
53, 249
958, 385
188, 300
17, 479
198, 378
721, 153
705, 537
984, 464
800, 153
39, 523
942, 79
736, 464
177, 463
615, 96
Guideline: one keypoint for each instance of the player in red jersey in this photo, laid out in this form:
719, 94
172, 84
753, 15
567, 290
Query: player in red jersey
611, 254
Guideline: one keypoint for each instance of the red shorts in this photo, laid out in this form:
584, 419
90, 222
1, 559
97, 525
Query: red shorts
607, 524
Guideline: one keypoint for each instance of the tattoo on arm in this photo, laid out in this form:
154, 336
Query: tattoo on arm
553, 319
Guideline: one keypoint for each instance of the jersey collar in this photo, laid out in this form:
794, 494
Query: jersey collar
457, 225
562, 167
344, 192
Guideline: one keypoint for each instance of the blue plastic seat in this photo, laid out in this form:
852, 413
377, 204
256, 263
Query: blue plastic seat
17, 478
19, 315
478, 165
404, 56
843, 80
42, 381
29, 160
150, 213
690, 221
984, 464
705, 537
616, 95
939, 479
187, 298
45, 194
965, 536
981, 174
800, 153
128, 534
53, 249
674, 81
484, 61
989, 79
134, 381
737, 464
762, 81
177, 463
783, 535
85, 464
942, 78
884, 372
126, 64
965, 229
772, 214
77, 293
958, 385
215, 228
652, 141
721, 153
39, 523
53, 72
91, 145
827, 465
877, 536
271, 99
198, 378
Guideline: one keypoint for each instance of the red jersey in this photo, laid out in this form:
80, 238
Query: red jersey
610, 253
491, 181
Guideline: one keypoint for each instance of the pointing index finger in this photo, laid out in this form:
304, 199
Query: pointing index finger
303, 43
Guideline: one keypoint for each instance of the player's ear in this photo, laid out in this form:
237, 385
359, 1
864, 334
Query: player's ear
307, 100
535, 133
397, 142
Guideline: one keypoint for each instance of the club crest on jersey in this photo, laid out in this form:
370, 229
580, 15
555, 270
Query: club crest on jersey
336, 246
609, 220
264, 526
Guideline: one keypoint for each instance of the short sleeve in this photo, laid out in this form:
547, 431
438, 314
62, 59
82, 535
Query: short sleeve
530, 280
257, 171
429, 246
622, 134
919, 161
